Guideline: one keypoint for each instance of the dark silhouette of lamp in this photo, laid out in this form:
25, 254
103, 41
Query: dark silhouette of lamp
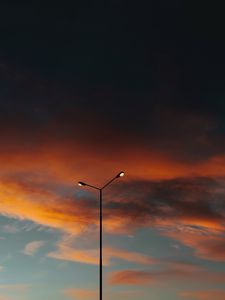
81, 183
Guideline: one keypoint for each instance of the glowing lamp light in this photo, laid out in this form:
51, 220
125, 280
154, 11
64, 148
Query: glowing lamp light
80, 183
121, 174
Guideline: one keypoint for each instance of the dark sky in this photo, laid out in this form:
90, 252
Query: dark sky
151, 51
136, 65
150, 73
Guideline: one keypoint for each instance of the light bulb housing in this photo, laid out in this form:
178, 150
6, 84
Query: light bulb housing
80, 183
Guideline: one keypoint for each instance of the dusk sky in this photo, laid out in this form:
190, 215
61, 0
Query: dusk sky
93, 88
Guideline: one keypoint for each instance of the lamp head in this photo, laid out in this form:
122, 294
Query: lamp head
80, 183
121, 174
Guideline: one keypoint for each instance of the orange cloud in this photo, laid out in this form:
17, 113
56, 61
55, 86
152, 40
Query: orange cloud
80, 144
167, 271
206, 244
32, 182
81, 294
32, 202
161, 204
82, 256
130, 256
65, 251
44, 208
73, 157
132, 277
171, 273
204, 295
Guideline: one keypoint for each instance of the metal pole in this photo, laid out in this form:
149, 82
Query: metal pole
100, 241
81, 183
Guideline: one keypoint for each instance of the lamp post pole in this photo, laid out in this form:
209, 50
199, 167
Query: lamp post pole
100, 246
80, 183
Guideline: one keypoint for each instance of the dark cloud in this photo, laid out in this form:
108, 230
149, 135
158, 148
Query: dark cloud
191, 201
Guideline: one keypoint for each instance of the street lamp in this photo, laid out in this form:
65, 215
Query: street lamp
81, 183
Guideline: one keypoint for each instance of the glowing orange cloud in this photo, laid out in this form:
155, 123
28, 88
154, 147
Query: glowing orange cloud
54, 163
131, 277
31, 201
69, 161
27, 202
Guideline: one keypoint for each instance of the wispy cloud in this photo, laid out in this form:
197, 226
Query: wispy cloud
20, 287
10, 228
32, 247
203, 295
14, 291
66, 251
173, 271
81, 294
206, 244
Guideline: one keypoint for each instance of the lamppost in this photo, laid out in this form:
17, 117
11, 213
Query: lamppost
80, 183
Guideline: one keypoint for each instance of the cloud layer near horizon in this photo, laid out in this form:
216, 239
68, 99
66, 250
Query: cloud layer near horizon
189, 210
174, 181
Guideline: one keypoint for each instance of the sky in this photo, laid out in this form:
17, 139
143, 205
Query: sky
91, 88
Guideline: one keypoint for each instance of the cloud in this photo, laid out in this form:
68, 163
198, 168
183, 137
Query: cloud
176, 273
20, 287
9, 228
129, 204
167, 270
66, 251
206, 245
57, 137
203, 295
170, 203
81, 294
45, 208
81, 256
132, 277
13, 291
133, 257
66, 142
173, 206
32, 247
